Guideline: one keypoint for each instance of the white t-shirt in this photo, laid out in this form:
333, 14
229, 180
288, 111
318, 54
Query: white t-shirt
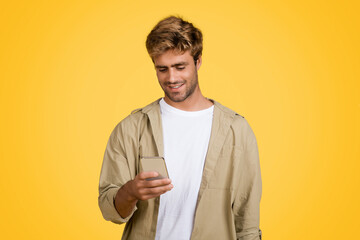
186, 139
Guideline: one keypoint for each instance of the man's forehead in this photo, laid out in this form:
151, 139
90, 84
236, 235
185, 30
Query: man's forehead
172, 57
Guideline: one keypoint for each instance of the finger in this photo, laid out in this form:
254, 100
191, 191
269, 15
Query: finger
155, 190
149, 196
156, 183
145, 175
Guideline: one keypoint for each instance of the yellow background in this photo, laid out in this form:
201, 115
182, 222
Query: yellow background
71, 70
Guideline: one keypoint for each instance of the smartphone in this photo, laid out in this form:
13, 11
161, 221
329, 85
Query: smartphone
157, 164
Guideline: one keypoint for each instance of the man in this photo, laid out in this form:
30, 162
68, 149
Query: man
210, 152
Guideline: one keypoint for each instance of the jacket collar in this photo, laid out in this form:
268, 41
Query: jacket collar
155, 106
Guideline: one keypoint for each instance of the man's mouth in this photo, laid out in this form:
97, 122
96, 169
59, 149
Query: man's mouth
175, 86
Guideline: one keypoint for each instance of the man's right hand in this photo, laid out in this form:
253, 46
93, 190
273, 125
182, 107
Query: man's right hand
140, 189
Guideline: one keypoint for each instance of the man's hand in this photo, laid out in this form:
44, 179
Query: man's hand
140, 189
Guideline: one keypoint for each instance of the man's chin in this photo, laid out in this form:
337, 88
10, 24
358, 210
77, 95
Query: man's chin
176, 99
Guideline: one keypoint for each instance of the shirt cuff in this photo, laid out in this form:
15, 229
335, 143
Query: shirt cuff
118, 217
107, 206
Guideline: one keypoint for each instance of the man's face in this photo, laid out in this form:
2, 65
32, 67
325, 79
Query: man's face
177, 75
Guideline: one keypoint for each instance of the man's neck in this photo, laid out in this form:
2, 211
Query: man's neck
193, 103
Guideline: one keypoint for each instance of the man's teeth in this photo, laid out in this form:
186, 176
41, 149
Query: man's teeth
176, 86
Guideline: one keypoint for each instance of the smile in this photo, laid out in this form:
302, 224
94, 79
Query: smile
176, 86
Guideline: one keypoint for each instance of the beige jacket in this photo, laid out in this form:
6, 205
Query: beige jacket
230, 190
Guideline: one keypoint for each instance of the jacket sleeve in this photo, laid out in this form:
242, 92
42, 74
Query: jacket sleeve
114, 173
247, 201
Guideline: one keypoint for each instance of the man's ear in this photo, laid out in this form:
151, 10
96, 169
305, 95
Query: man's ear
198, 62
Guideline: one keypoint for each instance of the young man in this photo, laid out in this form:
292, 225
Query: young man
210, 152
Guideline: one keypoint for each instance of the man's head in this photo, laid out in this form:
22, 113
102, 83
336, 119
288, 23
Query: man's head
175, 47
173, 33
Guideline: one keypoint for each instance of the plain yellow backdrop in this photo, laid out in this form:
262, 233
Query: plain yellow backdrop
71, 70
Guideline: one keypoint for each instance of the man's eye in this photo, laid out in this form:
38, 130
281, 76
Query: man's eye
162, 70
180, 68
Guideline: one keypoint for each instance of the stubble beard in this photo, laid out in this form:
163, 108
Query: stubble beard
188, 92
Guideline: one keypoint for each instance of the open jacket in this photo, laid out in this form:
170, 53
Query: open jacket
230, 190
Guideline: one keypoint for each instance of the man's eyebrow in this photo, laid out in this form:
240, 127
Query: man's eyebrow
174, 65
160, 66
179, 64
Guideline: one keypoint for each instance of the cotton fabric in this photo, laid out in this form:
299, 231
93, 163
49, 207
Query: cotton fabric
186, 139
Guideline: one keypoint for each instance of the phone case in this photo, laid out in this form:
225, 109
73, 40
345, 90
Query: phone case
156, 164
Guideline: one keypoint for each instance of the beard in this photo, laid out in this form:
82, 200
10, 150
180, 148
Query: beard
182, 96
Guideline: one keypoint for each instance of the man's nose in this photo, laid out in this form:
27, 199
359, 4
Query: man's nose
172, 75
